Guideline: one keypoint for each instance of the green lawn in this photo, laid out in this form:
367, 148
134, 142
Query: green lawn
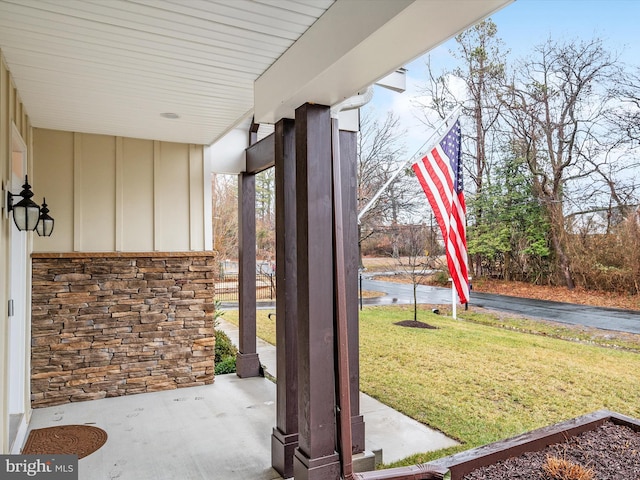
480, 379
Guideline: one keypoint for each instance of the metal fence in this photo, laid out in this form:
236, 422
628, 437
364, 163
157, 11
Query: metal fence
227, 287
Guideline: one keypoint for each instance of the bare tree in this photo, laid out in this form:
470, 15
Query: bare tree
380, 154
482, 54
265, 195
225, 216
482, 73
572, 115
627, 117
416, 260
266, 214
556, 107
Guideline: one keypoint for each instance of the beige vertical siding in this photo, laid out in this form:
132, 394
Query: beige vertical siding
196, 197
95, 193
172, 196
54, 171
120, 194
136, 222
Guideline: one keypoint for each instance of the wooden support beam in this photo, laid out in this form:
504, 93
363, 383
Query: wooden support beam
315, 458
260, 155
348, 163
342, 344
284, 440
247, 362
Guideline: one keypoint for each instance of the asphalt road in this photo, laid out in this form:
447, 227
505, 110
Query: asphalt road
598, 317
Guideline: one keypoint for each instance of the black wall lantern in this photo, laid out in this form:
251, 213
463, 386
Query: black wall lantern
45, 225
27, 215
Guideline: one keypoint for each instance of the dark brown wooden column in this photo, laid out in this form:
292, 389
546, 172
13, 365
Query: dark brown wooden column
348, 164
316, 457
284, 440
247, 361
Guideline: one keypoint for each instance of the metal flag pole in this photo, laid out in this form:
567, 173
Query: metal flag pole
402, 167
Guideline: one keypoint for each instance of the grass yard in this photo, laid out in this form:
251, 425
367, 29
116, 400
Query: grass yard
484, 378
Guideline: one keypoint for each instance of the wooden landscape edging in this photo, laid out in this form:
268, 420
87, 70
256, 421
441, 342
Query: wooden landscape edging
460, 464
413, 472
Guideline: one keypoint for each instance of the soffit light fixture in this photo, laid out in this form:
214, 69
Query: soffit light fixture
27, 215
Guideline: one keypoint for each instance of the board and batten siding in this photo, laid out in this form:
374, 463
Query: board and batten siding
118, 194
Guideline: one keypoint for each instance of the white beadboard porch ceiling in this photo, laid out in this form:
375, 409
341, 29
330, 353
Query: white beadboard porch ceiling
114, 66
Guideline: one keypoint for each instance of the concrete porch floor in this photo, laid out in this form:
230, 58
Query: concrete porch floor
215, 432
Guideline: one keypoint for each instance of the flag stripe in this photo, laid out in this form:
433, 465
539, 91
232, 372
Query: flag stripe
436, 201
440, 175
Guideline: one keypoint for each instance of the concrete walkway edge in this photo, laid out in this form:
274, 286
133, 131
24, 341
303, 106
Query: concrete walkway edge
395, 434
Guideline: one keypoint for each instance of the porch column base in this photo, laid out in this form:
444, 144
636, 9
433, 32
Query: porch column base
364, 461
322, 468
247, 365
283, 447
357, 434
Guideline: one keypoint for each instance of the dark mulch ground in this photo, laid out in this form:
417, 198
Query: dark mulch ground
611, 451
414, 324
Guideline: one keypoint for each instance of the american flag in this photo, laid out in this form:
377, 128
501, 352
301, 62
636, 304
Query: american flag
440, 174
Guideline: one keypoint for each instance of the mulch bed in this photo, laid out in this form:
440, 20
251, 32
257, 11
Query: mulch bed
611, 451
81, 440
415, 324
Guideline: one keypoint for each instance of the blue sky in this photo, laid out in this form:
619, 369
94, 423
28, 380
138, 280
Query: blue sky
522, 25
530, 22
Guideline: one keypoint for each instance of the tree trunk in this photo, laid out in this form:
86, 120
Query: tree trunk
415, 300
563, 259
507, 266
477, 265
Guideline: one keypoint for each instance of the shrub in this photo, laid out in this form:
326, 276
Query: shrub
217, 313
224, 347
225, 354
440, 278
228, 365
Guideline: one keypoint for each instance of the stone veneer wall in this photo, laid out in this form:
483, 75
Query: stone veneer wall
105, 325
